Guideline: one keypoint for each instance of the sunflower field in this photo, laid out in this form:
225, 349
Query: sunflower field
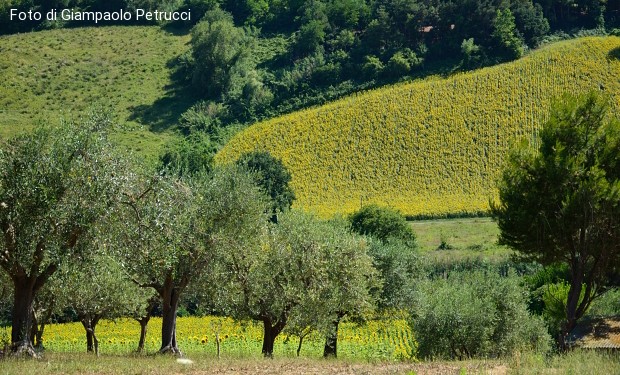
432, 147
375, 340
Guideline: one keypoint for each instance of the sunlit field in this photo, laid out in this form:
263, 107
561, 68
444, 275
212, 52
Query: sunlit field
376, 340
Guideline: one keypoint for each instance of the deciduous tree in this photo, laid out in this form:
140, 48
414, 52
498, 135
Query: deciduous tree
272, 176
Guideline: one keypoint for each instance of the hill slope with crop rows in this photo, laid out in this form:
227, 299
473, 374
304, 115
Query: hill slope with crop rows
432, 147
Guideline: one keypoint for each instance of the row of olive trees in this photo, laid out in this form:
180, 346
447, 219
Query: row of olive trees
83, 228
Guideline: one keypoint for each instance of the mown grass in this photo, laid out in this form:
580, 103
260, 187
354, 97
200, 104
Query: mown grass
128, 71
459, 238
74, 363
577, 362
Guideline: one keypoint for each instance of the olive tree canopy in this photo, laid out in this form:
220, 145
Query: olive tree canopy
55, 183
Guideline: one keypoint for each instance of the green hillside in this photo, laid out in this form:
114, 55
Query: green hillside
433, 147
49, 75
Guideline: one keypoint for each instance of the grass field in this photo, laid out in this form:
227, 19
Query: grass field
578, 363
49, 75
459, 238
432, 147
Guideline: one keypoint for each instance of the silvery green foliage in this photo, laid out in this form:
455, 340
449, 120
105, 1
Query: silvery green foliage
475, 315
351, 285
302, 272
56, 183
100, 289
172, 230
175, 227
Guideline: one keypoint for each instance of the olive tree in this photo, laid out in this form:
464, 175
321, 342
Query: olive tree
172, 228
354, 284
99, 289
55, 183
301, 271
48, 301
350, 288
559, 203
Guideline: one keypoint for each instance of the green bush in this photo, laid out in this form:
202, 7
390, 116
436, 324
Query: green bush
310, 37
204, 116
400, 267
475, 314
402, 62
327, 74
607, 305
372, 67
398, 65
383, 223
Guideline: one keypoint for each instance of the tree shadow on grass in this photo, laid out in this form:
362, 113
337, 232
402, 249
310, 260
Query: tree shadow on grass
614, 54
166, 111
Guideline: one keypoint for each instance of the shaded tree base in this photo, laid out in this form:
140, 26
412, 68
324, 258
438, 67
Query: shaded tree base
23, 350
169, 349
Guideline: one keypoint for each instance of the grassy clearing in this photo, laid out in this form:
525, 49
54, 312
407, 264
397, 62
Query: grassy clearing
49, 75
459, 238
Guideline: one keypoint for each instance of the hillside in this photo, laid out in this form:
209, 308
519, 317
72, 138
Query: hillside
49, 75
433, 147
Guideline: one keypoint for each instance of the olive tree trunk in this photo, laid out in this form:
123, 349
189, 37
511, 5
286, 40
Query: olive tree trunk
90, 324
271, 331
143, 328
144, 321
331, 340
21, 323
170, 296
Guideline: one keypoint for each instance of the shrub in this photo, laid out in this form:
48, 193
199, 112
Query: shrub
327, 74
475, 314
383, 223
310, 37
402, 62
204, 116
471, 53
607, 305
398, 65
372, 67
